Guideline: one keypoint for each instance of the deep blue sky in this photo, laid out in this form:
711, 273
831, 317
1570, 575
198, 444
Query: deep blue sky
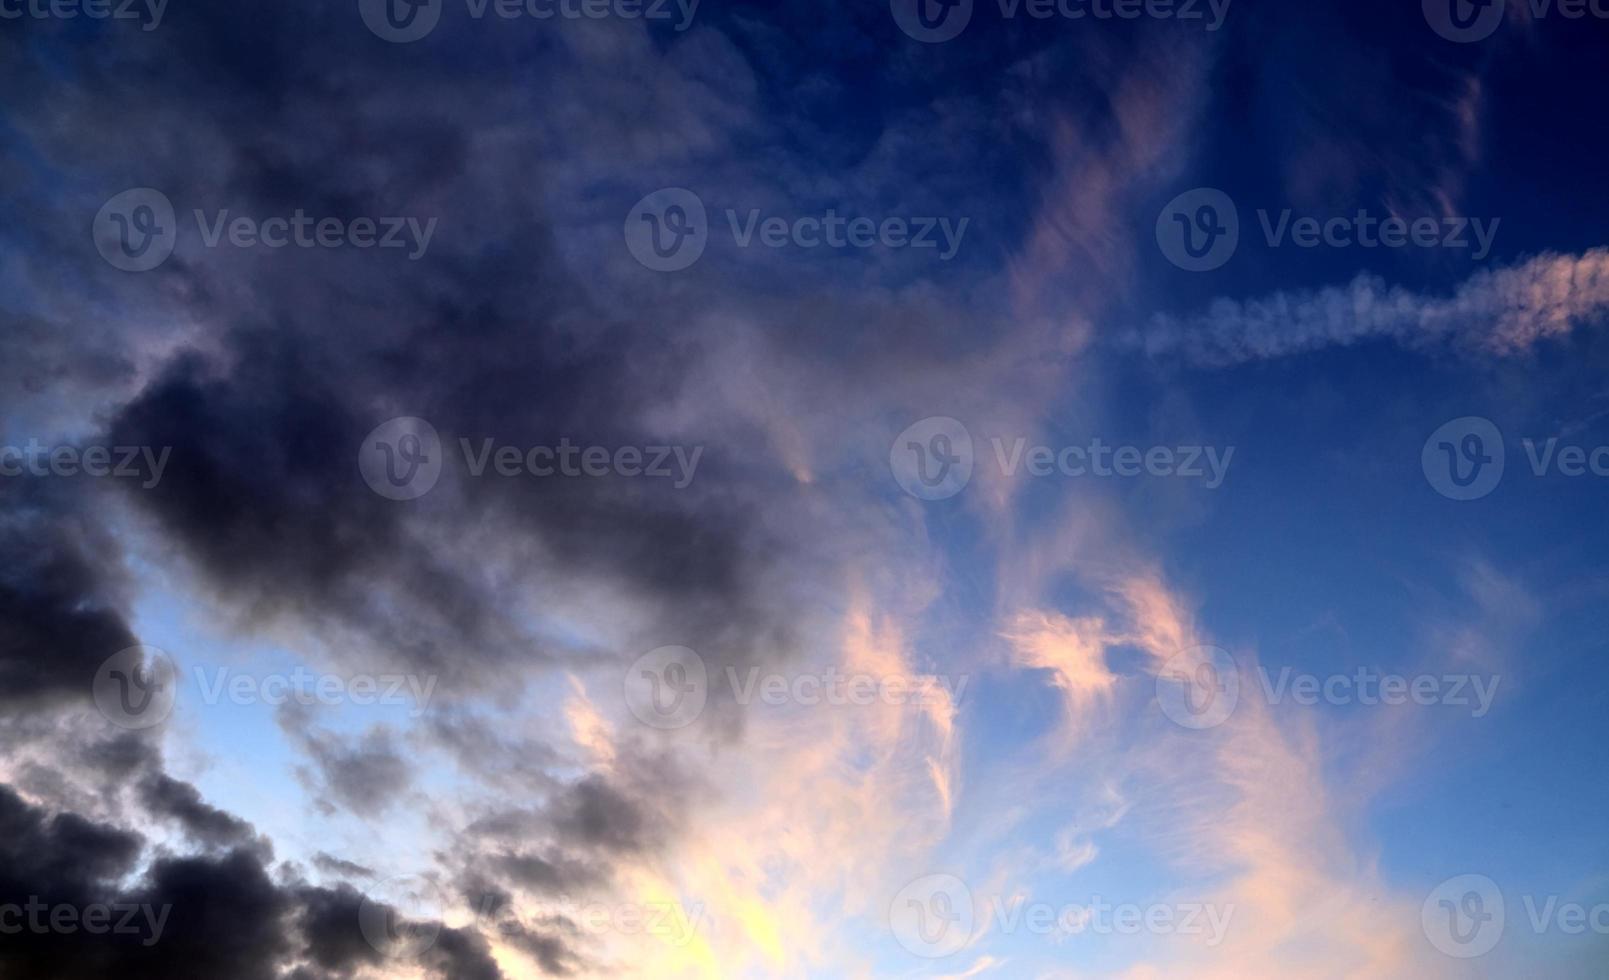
584, 282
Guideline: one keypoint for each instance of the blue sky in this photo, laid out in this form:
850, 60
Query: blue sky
1050, 385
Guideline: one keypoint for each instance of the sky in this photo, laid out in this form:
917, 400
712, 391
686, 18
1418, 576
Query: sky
911, 489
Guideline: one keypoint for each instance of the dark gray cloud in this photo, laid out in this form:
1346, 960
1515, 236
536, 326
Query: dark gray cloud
59, 594
550, 949
221, 915
551, 939
263, 371
168, 797
543, 875
335, 948
330, 864
595, 814
364, 774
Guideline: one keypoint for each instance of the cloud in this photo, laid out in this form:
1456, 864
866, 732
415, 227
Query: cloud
1074, 654
200, 916
169, 797
1501, 312
365, 775
61, 595
1253, 809
264, 371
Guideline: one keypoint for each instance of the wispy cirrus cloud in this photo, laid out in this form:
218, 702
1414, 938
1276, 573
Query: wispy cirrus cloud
1501, 312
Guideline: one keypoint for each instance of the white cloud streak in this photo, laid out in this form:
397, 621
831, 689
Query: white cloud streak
1502, 312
